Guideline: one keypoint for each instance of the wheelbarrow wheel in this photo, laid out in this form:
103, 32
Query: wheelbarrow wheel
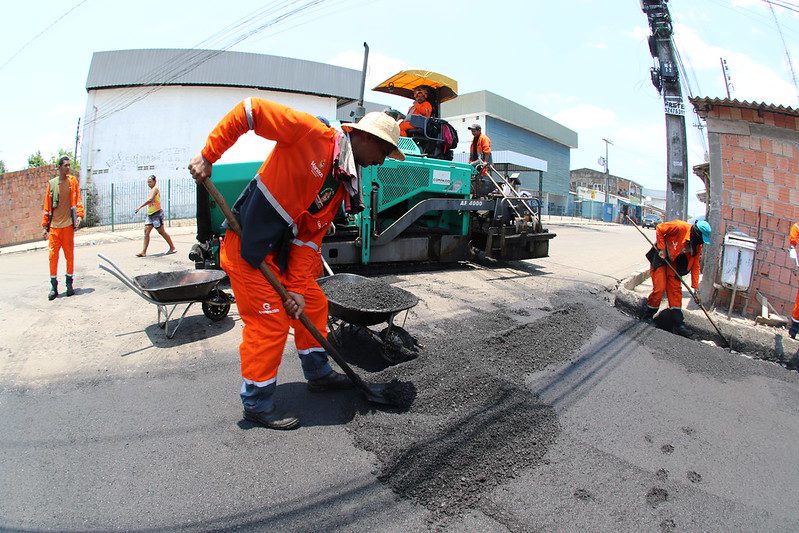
398, 345
217, 306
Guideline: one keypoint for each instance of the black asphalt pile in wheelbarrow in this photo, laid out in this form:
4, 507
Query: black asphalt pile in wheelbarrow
356, 302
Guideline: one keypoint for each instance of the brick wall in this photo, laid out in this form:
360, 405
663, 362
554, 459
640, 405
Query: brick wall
21, 200
760, 197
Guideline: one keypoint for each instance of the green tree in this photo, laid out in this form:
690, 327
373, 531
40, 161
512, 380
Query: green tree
73, 164
36, 160
2, 167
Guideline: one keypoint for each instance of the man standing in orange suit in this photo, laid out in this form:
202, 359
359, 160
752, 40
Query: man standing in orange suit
63, 213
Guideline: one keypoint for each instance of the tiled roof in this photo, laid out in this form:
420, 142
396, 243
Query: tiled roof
703, 102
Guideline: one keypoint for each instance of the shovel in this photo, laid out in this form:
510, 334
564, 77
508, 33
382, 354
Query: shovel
725, 343
376, 393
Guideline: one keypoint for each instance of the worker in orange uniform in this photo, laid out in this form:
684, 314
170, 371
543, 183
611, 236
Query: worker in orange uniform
63, 213
480, 151
420, 106
284, 212
794, 329
680, 244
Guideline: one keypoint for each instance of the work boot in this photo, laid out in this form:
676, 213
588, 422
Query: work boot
53, 289
682, 330
794, 329
332, 381
70, 290
649, 312
274, 419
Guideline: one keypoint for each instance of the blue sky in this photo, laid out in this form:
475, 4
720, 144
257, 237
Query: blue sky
582, 63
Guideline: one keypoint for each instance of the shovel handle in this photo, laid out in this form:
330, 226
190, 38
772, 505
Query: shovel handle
234, 225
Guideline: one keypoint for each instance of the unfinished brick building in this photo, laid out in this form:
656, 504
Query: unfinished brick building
752, 186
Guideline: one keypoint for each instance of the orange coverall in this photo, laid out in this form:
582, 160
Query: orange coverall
794, 240
290, 178
483, 146
673, 237
62, 238
425, 109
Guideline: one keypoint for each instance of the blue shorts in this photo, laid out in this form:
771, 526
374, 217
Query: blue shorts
155, 220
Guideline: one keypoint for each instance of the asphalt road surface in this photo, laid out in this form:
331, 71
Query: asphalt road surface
539, 407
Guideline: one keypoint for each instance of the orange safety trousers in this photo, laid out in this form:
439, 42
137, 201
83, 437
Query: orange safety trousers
795, 314
266, 322
664, 280
61, 239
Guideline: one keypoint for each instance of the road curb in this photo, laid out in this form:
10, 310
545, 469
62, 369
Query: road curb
762, 342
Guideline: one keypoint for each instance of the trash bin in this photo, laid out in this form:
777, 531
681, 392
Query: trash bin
738, 260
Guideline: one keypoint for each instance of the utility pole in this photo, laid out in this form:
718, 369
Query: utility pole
77, 137
665, 78
607, 172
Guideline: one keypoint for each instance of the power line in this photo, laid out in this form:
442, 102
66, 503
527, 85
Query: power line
771, 5
56, 21
193, 58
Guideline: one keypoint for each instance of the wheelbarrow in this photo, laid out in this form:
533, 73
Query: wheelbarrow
168, 290
357, 302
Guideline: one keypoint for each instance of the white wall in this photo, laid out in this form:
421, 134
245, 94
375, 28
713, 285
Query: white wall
168, 127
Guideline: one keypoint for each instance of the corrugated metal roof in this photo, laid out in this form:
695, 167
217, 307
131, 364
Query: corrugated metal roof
486, 102
700, 102
131, 68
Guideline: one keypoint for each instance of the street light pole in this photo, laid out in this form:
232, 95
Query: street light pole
607, 172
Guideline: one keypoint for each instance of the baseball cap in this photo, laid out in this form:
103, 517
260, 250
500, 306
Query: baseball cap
704, 227
475, 126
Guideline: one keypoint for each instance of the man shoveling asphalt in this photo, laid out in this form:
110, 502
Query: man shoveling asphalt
679, 243
284, 213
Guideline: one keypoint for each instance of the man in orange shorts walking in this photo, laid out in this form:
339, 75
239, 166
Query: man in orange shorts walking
284, 213
63, 213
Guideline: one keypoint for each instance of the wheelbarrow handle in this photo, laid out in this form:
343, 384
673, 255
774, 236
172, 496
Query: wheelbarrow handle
270, 276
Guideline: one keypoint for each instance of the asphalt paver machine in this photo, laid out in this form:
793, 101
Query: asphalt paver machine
426, 209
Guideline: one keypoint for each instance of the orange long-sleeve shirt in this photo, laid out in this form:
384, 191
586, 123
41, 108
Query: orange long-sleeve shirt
75, 204
794, 234
290, 179
673, 237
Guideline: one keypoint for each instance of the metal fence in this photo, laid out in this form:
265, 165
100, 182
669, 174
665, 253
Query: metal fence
112, 205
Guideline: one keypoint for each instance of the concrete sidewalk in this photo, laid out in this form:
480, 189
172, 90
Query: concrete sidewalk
743, 335
92, 237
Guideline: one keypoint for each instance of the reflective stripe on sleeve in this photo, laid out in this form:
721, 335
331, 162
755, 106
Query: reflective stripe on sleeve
273, 201
248, 112
309, 244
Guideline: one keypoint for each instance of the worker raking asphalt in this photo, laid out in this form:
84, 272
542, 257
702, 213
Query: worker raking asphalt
473, 424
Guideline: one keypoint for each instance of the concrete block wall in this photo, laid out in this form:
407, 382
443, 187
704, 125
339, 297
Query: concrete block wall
760, 197
21, 201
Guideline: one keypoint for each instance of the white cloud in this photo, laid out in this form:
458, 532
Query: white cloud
752, 80
585, 117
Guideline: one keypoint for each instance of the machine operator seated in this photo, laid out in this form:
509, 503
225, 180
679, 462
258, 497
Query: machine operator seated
421, 106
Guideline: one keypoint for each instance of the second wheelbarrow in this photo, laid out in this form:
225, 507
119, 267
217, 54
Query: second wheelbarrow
167, 290
359, 302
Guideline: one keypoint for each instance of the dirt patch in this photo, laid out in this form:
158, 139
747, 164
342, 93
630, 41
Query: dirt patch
583, 495
474, 424
662, 475
694, 477
667, 448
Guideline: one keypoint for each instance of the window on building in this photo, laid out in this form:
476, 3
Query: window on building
145, 167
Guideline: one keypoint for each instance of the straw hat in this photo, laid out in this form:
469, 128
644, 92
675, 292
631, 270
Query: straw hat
381, 126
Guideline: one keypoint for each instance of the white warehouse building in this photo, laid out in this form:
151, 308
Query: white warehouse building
150, 111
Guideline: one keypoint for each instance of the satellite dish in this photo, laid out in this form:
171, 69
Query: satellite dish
601, 161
